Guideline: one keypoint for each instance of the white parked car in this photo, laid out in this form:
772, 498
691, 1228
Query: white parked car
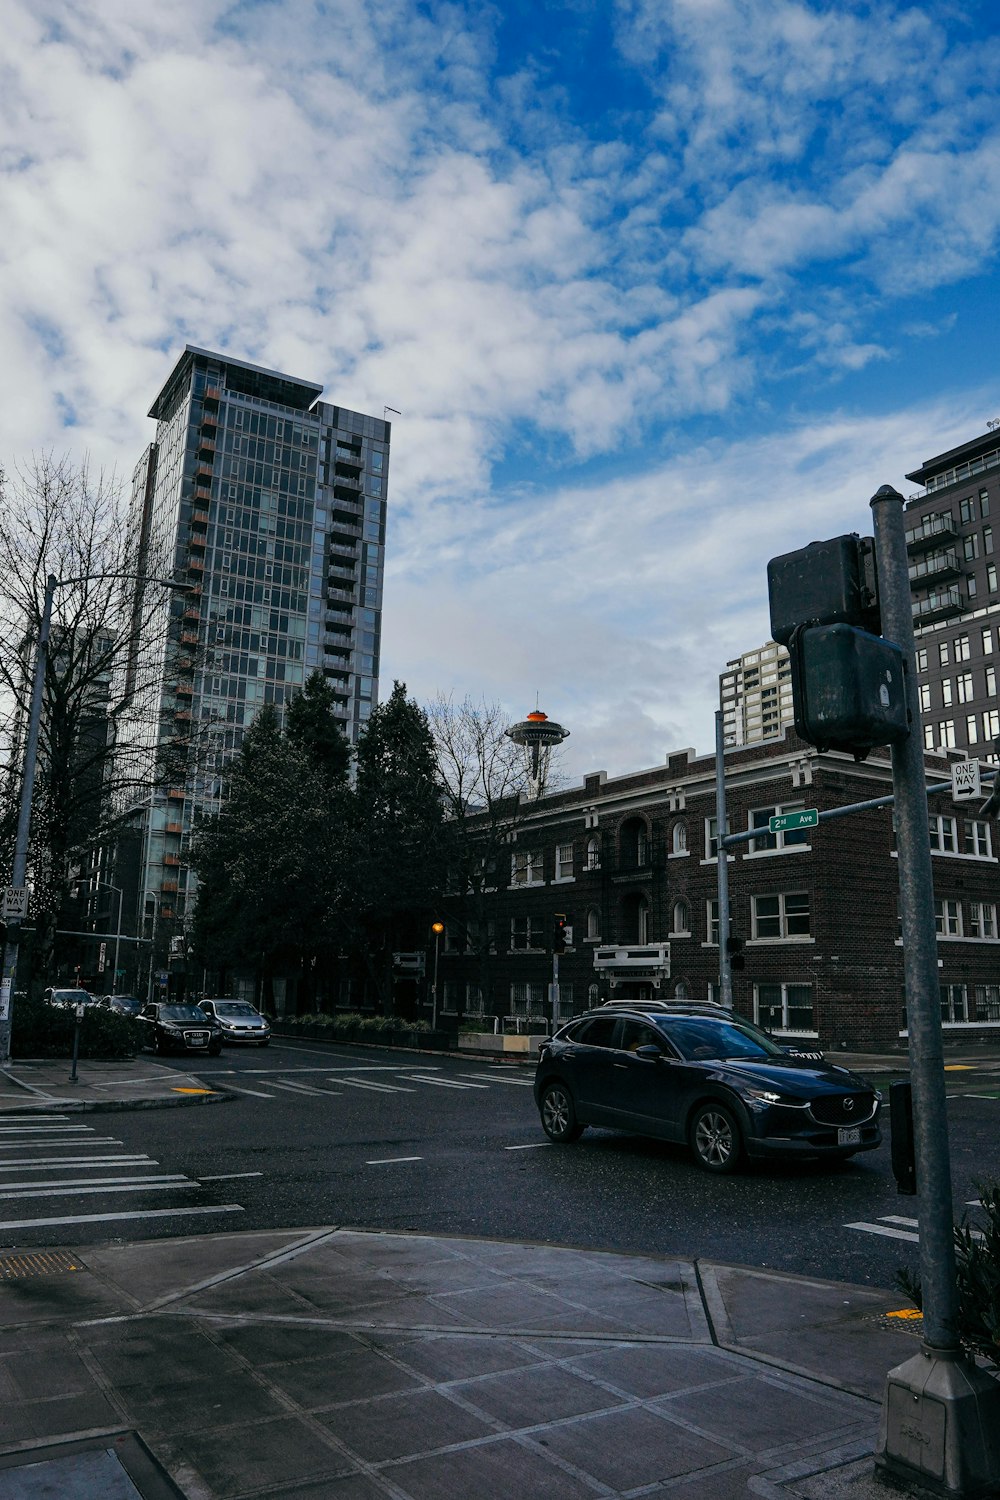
240, 1021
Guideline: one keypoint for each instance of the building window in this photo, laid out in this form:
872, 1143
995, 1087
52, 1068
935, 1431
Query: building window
963, 651
963, 685
785, 915
925, 695
946, 693
921, 658
526, 935
944, 655
593, 854
946, 734
954, 1003
991, 724
988, 1002
944, 835
759, 818
991, 578
678, 839
593, 925
930, 738
971, 586
784, 1007
987, 539
972, 729
987, 641
991, 681
527, 999
984, 503
712, 837
526, 867
680, 919
948, 918
564, 861
712, 922
982, 920
966, 513
970, 547
977, 837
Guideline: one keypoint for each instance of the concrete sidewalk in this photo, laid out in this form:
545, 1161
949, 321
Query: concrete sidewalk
138, 1083
337, 1365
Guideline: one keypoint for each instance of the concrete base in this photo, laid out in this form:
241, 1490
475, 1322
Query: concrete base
940, 1428
486, 1041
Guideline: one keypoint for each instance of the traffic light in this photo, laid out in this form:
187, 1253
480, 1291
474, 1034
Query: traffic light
848, 683
734, 947
559, 936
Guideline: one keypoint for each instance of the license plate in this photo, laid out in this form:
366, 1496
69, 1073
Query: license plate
849, 1136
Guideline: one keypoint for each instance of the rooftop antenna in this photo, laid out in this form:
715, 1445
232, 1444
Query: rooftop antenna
994, 424
387, 409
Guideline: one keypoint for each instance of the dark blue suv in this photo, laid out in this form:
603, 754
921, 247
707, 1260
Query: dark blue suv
703, 1075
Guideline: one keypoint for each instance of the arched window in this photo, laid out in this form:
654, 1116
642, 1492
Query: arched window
633, 844
681, 991
680, 918
635, 918
593, 924
593, 995
679, 838
593, 854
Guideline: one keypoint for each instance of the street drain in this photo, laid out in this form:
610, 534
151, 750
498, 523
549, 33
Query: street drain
47, 1263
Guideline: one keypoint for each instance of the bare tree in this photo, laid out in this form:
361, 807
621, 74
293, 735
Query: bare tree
57, 519
485, 781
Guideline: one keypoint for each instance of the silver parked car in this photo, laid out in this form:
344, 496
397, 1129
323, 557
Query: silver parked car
240, 1021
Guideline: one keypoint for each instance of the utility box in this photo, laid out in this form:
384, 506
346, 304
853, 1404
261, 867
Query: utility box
826, 583
848, 689
904, 1161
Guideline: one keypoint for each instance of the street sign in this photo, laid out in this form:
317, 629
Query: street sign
785, 822
965, 780
15, 901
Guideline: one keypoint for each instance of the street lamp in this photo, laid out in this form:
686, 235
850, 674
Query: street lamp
20, 863
154, 897
437, 928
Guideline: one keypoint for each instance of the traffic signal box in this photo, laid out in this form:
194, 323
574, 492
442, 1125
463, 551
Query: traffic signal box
560, 932
848, 683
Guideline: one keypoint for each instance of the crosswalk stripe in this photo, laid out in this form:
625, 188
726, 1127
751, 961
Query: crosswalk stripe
152, 1185
49, 1163
885, 1229
297, 1088
46, 1130
77, 1145
257, 1093
443, 1083
69, 1182
897, 1219
388, 1161
520, 1083
144, 1213
376, 1088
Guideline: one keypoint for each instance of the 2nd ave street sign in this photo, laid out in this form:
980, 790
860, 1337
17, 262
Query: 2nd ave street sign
785, 822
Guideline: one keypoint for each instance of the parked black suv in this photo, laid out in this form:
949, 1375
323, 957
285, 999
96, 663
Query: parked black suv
703, 1075
180, 1028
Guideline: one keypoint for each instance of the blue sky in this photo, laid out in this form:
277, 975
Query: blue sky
660, 288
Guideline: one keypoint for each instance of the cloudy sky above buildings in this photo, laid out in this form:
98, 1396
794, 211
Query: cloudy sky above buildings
658, 287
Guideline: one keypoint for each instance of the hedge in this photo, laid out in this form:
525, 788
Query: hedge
41, 1030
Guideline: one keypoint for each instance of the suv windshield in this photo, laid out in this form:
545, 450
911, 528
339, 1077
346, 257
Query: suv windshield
182, 1013
234, 1008
704, 1037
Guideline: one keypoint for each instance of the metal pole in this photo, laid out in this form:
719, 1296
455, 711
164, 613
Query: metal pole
722, 866
118, 933
434, 1001
920, 957
940, 1423
151, 896
555, 992
20, 865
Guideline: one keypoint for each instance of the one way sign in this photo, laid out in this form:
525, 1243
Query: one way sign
15, 901
965, 780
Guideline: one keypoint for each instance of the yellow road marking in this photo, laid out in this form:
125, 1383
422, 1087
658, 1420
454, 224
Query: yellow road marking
905, 1312
959, 1068
192, 1091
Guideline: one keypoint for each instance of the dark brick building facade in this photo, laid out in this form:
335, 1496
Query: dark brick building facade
632, 862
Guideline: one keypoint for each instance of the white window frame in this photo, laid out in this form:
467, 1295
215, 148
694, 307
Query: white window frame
785, 917
593, 854
680, 907
564, 863
526, 868
792, 842
948, 918
977, 838
534, 935
711, 923
785, 1029
983, 921
943, 833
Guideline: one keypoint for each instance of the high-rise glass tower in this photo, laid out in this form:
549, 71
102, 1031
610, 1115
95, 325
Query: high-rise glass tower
270, 504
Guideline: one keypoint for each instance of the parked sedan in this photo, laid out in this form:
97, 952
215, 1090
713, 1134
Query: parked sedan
180, 1028
240, 1021
68, 999
703, 1076
122, 1005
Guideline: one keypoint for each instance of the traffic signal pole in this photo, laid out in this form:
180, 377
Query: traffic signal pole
940, 1424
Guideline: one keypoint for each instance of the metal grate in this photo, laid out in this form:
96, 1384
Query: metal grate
44, 1263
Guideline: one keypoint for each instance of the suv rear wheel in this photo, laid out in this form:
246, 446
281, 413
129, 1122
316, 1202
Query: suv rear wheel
558, 1115
715, 1138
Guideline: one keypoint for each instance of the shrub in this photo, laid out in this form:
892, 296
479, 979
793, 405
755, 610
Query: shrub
977, 1259
41, 1030
349, 1023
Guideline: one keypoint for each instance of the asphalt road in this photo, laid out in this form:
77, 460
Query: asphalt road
389, 1140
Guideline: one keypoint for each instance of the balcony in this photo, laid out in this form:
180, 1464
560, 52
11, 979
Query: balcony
199, 518
173, 860
939, 606
189, 637
935, 565
647, 961
175, 794
348, 456
352, 481
932, 529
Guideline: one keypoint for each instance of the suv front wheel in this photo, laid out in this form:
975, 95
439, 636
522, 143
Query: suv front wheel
715, 1138
558, 1115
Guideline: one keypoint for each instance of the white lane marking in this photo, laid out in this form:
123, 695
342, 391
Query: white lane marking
144, 1213
520, 1083
896, 1219
388, 1161
534, 1146
77, 1145
376, 1088
46, 1130
114, 1185
298, 1088
257, 1093
228, 1176
892, 1234
49, 1163
443, 1083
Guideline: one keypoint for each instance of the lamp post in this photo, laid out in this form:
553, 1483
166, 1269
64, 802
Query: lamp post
437, 928
106, 885
154, 897
20, 861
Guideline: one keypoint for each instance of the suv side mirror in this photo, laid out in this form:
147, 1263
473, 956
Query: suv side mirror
650, 1052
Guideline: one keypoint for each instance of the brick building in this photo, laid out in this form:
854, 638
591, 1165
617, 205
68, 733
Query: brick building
632, 861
